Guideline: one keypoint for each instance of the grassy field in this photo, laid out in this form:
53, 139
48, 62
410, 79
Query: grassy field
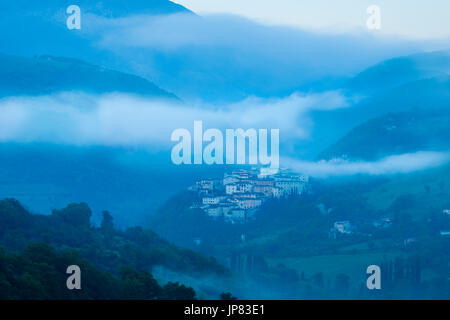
429, 187
353, 265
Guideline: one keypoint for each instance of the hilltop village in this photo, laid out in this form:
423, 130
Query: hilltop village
240, 193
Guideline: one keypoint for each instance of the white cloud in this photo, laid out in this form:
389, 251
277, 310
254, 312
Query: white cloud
226, 58
126, 120
120, 119
393, 164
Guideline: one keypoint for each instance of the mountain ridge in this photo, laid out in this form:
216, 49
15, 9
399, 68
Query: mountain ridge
47, 74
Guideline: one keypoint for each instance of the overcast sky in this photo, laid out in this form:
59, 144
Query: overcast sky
410, 18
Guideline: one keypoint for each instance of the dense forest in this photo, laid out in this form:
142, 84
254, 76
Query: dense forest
116, 263
39, 273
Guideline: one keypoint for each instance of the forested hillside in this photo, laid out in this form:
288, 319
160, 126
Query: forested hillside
39, 273
105, 247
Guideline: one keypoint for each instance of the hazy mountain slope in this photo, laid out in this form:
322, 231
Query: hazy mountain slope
401, 84
400, 70
109, 8
428, 93
29, 28
46, 74
423, 94
386, 74
394, 134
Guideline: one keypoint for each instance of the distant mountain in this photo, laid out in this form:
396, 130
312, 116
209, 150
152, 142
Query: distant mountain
108, 8
398, 71
394, 134
47, 74
31, 28
405, 84
386, 75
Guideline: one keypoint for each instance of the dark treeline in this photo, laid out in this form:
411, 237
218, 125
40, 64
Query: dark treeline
39, 273
116, 264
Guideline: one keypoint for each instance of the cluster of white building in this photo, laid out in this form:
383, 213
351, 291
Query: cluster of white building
237, 196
